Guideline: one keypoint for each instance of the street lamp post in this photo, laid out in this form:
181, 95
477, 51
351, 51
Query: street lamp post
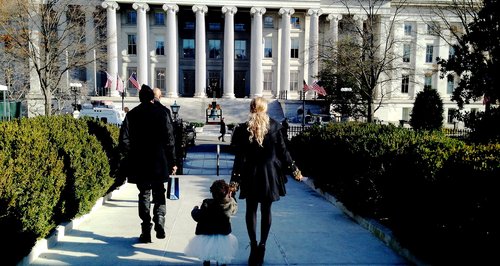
175, 109
75, 87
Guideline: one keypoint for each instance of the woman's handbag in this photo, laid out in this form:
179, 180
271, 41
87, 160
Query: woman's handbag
173, 192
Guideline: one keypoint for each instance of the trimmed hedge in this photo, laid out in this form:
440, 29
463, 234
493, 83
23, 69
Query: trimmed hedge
437, 194
51, 170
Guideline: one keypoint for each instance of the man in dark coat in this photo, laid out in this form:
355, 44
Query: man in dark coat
147, 146
222, 129
156, 101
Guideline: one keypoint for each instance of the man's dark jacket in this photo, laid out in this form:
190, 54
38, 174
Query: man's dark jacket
147, 145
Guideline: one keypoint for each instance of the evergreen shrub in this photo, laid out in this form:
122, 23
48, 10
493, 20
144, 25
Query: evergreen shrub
436, 194
51, 170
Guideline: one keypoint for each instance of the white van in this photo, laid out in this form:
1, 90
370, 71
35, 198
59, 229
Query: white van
107, 114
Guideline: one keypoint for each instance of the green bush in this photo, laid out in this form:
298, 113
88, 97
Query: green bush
196, 124
31, 179
51, 170
437, 194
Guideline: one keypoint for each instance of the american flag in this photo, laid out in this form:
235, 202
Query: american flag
316, 86
133, 80
306, 87
109, 80
119, 84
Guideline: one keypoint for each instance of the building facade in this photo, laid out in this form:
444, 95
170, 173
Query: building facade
238, 49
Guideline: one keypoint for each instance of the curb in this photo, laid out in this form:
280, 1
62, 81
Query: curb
378, 230
42, 245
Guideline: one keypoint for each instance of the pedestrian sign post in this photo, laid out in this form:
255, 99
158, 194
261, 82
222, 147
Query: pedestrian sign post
3, 88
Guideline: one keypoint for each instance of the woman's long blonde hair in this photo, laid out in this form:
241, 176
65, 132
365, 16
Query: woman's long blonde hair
258, 122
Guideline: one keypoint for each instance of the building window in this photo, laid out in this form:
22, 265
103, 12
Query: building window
160, 45
451, 52
406, 53
188, 48
240, 49
294, 48
294, 81
405, 82
214, 49
452, 112
295, 21
131, 17
408, 28
160, 78
189, 25
132, 44
214, 26
159, 18
268, 81
429, 51
406, 113
433, 29
268, 22
450, 84
428, 81
240, 27
268, 47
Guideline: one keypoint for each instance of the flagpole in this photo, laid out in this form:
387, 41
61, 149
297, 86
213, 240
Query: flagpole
95, 75
303, 109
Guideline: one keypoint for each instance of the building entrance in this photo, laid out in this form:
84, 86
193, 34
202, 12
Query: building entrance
214, 86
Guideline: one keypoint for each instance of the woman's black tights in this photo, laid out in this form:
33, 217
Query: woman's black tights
251, 220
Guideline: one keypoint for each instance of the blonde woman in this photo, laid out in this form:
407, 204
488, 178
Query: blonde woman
260, 164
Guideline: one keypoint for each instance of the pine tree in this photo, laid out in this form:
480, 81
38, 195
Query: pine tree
427, 113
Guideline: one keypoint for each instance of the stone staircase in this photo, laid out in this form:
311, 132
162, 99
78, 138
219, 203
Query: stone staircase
194, 109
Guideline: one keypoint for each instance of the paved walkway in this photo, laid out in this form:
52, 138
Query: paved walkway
306, 230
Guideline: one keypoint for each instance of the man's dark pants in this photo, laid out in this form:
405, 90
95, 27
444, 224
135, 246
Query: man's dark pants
159, 201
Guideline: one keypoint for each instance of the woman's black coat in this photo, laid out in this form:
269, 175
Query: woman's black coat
260, 171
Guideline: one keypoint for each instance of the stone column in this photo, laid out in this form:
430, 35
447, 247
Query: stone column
359, 19
285, 13
256, 75
90, 42
201, 57
229, 12
334, 29
142, 42
111, 8
172, 77
313, 43
63, 36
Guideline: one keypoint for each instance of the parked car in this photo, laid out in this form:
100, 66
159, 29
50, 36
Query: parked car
106, 113
320, 119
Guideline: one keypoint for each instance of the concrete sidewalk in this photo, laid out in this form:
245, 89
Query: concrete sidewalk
306, 230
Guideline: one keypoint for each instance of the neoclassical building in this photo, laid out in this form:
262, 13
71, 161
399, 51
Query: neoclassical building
238, 49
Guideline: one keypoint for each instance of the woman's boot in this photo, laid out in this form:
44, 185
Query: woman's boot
261, 251
252, 259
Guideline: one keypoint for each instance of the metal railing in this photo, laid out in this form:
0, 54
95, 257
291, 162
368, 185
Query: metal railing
295, 130
450, 132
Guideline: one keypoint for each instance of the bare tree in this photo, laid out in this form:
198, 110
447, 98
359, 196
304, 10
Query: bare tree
450, 20
52, 40
366, 56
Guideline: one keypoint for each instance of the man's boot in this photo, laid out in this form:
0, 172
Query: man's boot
146, 233
160, 228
